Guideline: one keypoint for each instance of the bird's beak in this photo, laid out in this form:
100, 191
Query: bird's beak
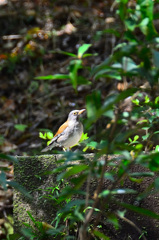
81, 111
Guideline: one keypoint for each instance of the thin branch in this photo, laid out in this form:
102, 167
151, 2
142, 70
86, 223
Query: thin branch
132, 224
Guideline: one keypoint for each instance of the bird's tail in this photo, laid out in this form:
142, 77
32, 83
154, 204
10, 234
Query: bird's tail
46, 149
49, 147
51, 144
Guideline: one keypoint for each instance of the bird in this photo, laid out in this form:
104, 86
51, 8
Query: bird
69, 133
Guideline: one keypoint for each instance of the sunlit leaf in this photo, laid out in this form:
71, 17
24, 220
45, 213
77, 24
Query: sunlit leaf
20, 127
49, 135
41, 135
53, 77
82, 49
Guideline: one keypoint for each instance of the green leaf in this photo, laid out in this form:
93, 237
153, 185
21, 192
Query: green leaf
144, 22
67, 53
108, 73
104, 193
49, 135
142, 121
136, 137
93, 103
155, 55
157, 148
74, 66
83, 49
121, 213
32, 218
46, 135
20, 127
157, 100
105, 64
91, 145
154, 162
9, 158
19, 188
131, 24
145, 137
14, 236
102, 236
78, 181
114, 220
41, 135
28, 233
74, 170
139, 210
53, 77
128, 64
156, 182
84, 137
3, 181
89, 55
141, 174
83, 81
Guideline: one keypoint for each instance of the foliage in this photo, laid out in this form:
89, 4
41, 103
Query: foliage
74, 67
133, 58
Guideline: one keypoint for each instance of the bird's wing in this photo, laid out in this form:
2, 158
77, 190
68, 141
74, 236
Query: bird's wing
61, 129
59, 132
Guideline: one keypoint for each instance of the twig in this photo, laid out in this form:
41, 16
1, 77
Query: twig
12, 37
132, 224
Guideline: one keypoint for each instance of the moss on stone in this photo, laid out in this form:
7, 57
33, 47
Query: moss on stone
26, 174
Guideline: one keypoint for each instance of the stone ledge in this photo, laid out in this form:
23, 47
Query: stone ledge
30, 174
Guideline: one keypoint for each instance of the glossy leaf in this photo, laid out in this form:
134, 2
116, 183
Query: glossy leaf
53, 77
82, 49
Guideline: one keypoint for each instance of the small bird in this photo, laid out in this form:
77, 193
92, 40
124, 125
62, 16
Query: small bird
69, 133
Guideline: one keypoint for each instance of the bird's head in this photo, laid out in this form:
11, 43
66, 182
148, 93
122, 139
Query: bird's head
73, 115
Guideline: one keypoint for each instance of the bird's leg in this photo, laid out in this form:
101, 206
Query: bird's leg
66, 149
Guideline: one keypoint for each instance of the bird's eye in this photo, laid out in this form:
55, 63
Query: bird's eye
75, 113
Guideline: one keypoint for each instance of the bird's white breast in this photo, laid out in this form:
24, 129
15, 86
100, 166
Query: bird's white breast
72, 134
